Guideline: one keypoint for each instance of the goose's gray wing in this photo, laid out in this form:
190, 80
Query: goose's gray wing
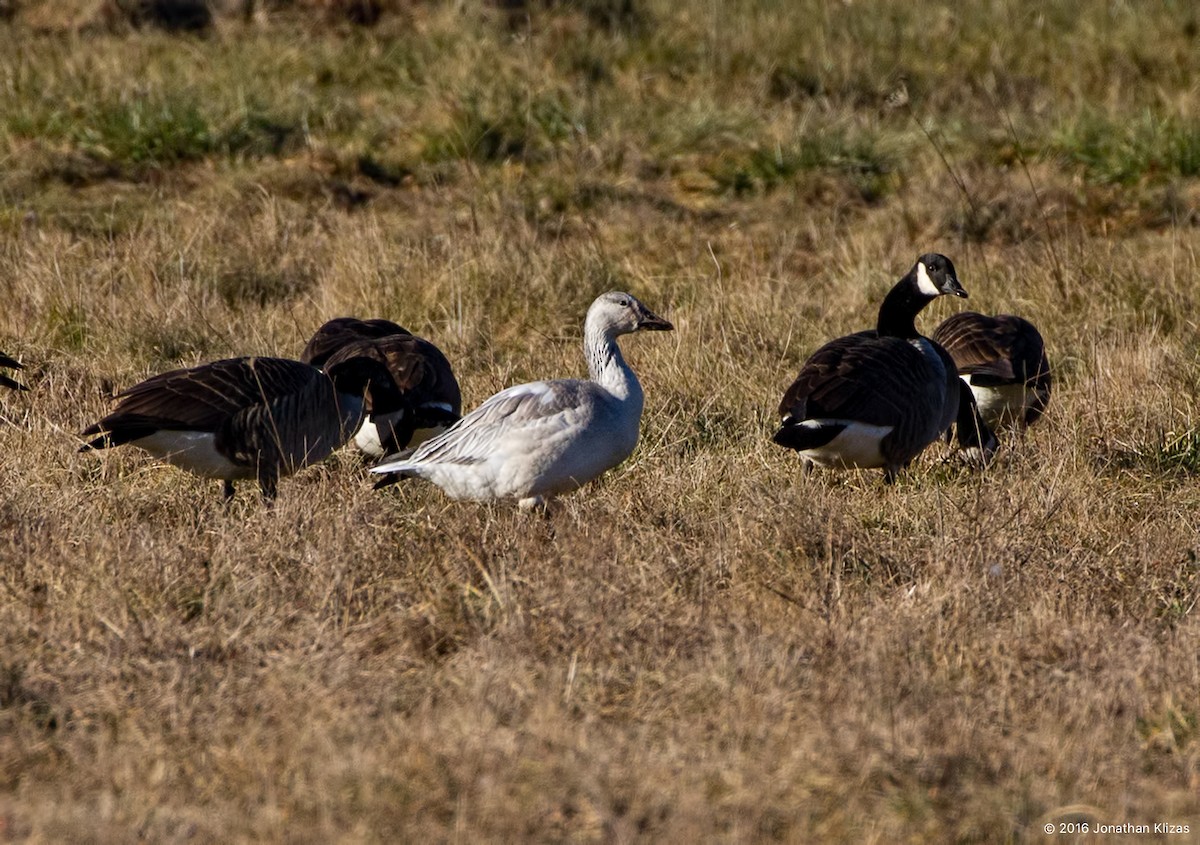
517, 418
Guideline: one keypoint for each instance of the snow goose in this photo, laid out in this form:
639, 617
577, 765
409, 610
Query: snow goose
878, 398
1003, 360
420, 399
540, 439
241, 418
12, 364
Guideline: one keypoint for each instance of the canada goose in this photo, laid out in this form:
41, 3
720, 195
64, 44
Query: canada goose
877, 398
1003, 360
12, 364
420, 399
540, 439
241, 418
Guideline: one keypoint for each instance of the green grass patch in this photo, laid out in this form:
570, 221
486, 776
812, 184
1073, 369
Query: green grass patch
861, 159
1118, 151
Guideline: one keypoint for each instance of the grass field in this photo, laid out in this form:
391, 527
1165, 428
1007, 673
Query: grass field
704, 645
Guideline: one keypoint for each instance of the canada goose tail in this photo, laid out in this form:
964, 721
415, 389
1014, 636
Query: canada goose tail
117, 431
807, 434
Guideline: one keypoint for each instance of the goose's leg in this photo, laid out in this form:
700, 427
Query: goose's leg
268, 481
227, 493
889, 474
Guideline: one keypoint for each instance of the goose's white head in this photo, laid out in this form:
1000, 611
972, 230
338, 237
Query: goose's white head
617, 313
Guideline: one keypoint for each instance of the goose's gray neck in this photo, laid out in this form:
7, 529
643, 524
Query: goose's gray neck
607, 365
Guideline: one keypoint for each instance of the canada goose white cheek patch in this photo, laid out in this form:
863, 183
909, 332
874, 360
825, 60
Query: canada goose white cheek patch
858, 445
924, 283
195, 451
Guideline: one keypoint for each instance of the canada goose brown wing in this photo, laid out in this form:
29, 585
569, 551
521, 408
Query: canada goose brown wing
419, 373
865, 378
203, 398
1005, 349
340, 331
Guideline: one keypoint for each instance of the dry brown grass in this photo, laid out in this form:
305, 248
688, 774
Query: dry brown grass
703, 645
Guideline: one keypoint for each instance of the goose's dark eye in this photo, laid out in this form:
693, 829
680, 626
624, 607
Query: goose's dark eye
628, 303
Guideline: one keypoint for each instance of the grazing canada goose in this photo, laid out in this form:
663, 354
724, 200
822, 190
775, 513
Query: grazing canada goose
241, 418
1003, 360
540, 439
877, 398
12, 364
420, 400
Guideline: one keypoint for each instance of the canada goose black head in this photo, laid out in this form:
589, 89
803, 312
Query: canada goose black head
357, 375
932, 276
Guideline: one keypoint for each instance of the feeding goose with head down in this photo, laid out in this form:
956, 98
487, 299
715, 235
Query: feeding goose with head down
12, 364
536, 440
1003, 361
419, 400
878, 398
241, 418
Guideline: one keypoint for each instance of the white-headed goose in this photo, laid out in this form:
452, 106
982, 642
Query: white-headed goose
241, 418
878, 398
421, 398
1003, 360
540, 439
12, 364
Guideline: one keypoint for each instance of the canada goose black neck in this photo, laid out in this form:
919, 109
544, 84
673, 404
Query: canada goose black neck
897, 315
932, 276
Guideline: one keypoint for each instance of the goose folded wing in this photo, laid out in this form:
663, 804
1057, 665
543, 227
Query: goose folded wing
862, 378
523, 414
203, 398
339, 332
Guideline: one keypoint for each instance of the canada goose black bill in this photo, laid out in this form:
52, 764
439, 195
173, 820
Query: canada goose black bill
876, 399
1003, 361
240, 418
419, 400
12, 364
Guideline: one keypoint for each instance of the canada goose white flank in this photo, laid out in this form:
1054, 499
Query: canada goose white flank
876, 399
544, 438
12, 364
419, 400
241, 418
1003, 360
